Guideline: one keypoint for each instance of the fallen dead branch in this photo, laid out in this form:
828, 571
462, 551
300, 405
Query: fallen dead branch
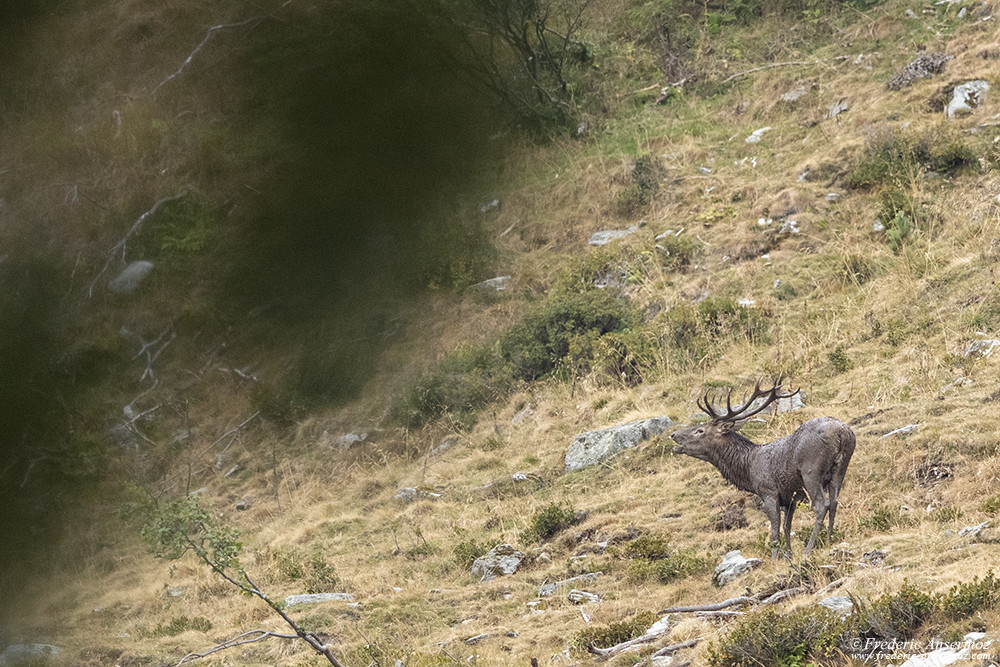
732, 602
238, 640
790, 63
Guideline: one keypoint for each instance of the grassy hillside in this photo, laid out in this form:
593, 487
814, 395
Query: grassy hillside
325, 177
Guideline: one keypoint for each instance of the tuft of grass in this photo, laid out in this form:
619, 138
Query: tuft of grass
614, 633
896, 158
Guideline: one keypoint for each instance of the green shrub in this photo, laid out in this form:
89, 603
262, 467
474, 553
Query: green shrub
562, 329
671, 567
648, 547
468, 551
880, 518
626, 356
898, 230
897, 158
894, 615
646, 175
676, 252
839, 360
965, 600
181, 624
991, 505
614, 633
549, 520
766, 637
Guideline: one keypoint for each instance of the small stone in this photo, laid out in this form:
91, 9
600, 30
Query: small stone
757, 135
349, 440
477, 638
841, 605
831, 196
502, 559
838, 107
795, 93
901, 431
607, 236
545, 590
175, 592
789, 227
520, 477
498, 284
973, 531
311, 598
733, 566
877, 226
409, 494
980, 349
130, 278
966, 97
244, 505
489, 206
582, 597
910, 14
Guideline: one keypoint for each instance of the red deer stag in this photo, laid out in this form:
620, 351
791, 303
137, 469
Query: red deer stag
812, 460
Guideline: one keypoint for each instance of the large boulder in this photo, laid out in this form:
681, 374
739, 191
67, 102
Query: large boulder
966, 97
592, 447
503, 559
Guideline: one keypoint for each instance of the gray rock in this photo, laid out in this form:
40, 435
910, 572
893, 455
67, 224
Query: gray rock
582, 597
498, 284
310, 598
349, 440
877, 226
131, 276
477, 638
593, 447
966, 97
831, 196
244, 505
980, 349
545, 590
790, 404
607, 236
841, 605
733, 566
409, 494
789, 227
795, 93
525, 413
757, 135
28, 654
487, 206
973, 531
503, 559
838, 107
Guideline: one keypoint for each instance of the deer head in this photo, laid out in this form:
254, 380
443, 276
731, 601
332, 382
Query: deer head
702, 440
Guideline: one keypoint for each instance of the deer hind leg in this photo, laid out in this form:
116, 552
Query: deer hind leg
814, 487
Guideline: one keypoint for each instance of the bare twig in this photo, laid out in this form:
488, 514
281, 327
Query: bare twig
732, 602
781, 595
234, 431
832, 585
122, 244
719, 614
238, 640
673, 648
784, 64
208, 36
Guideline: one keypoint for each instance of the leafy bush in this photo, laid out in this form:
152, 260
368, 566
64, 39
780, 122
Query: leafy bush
991, 505
646, 175
614, 633
766, 637
676, 252
896, 158
839, 360
898, 230
626, 356
893, 615
549, 520
692, 332
966, 599
468, 551
562, 328
648, 547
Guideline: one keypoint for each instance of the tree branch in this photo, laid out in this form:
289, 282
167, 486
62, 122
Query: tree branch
784, 64
235, 641
208, 35
122, 244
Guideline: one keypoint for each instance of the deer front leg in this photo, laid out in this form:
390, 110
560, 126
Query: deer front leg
815, 491
770, 508
789, 511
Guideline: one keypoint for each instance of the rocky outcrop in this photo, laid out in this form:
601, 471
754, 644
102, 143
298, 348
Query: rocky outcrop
593, 447
966, 97
502, 560
733, 566
922, 67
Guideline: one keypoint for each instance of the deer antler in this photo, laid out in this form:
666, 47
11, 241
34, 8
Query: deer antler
743, 411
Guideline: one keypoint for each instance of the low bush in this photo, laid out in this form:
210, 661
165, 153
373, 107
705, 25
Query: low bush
893, 158
468, 551
677, 252
614, 633
893, 615
804, 636
964, 600
550, 520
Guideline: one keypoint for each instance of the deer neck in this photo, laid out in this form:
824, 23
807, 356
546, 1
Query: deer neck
733, 458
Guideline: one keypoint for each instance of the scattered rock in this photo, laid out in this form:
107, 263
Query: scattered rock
875, 557
545, 590
524, 413
244, 505
789, 227
582, 597
498, 284
607, 236
922, 67
831, 196
503, 559
309, 598
487, 206
795, 93
475, 639
28, 654
733, 566
409, 494
669, 232
966, 97
980, 349
973, 531
593, 447
175, 592
757, 135
349, 440
901, 431
446, 444
841, 605
131, 276
910, 14
958, 382
838, 107
877, 226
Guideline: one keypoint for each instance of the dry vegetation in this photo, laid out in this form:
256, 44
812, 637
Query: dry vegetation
873, 330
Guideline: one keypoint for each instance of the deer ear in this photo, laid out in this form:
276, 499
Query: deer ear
726, 427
